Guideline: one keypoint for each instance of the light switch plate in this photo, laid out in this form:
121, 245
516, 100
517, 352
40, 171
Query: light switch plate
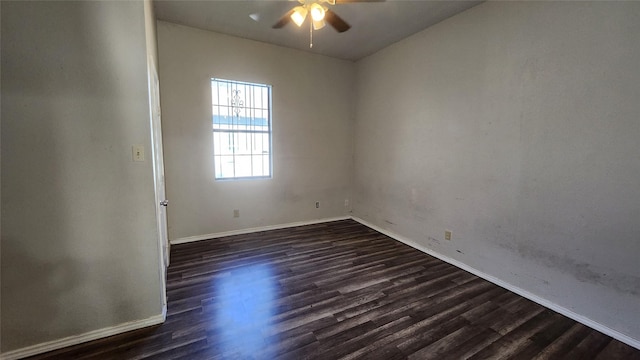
137, 152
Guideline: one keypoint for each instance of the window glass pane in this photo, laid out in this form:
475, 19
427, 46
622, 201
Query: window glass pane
216, 144
266, 165
256, 145
218, 168
223, 143
227, 168
265, 144
258, 165
243, 166
243, 143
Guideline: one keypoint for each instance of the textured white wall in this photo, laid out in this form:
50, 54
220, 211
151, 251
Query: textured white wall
515, 125
79, 245
312, 132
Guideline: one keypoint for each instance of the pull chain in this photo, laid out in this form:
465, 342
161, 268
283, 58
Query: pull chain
310, 34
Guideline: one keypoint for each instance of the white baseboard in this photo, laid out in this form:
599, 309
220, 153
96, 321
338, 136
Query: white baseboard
78, 339
524, 293
189, 239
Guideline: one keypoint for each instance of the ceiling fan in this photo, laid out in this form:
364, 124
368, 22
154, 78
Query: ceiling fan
320, 14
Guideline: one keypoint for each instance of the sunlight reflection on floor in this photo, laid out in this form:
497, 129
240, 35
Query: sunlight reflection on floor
245, 306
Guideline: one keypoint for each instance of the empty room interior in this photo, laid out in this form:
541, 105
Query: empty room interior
446, 179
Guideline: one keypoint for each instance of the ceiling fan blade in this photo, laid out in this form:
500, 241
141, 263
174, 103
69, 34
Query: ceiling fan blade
336, 21
283, 20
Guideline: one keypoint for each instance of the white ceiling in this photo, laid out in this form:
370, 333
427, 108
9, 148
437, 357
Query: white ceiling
374, 25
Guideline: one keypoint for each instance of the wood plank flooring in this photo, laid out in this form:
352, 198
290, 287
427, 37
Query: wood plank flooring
340, 290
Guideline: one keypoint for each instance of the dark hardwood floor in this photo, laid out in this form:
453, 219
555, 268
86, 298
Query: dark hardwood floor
340, 290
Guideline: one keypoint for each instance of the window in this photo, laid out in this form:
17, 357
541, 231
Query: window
241, 129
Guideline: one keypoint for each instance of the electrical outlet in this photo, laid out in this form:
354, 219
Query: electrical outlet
236, 213
317, 204
447, 234
346, 202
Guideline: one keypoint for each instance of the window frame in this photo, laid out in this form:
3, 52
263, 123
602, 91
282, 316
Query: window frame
253, 133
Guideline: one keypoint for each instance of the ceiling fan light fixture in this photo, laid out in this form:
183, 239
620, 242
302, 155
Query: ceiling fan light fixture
299, 14
317, 12
317, 25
